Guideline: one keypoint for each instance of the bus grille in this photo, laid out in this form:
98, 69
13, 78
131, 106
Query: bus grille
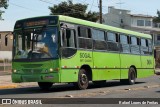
31, 65
32, 71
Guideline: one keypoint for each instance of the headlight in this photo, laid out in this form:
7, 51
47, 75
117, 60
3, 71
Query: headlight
14, 70
51, 70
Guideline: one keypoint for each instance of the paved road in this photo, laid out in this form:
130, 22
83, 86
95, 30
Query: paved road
144, 88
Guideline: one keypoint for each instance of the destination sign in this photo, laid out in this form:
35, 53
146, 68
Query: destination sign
36, 23
40, 21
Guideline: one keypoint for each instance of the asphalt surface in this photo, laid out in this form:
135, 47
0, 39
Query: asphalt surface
144, 88
60, 90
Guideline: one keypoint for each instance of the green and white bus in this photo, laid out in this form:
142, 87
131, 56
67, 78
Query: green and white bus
62, 49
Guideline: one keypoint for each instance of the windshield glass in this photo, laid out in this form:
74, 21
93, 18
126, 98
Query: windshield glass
35, 43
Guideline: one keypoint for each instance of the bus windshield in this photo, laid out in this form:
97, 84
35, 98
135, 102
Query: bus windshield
36, 43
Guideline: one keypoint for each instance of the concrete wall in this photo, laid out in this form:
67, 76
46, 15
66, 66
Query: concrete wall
6, 51
124, 19
3, 47
117, 18
5, 55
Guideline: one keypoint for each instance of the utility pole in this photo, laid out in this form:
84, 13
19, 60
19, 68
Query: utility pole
100, 10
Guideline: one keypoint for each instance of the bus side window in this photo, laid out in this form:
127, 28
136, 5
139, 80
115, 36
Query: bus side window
68, 43
98, 37
150, 46
124, 43
84, 37
70, 38
82, 31
144, 47
134, 45
112, 41
111, 37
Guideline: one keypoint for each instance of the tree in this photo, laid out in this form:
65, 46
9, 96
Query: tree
3, 4
157, 19
74, 10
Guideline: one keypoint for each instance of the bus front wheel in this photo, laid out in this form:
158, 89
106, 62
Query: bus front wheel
45, 85
83, 80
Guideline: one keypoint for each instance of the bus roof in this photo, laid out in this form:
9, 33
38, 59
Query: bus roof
102, 26
95, 25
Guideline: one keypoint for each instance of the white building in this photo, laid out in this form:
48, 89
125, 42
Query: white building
124, 19
137, 22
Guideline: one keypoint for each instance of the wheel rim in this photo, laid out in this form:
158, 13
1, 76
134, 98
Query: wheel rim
83, 79
132, 77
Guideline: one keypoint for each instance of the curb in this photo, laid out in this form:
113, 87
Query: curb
8, 86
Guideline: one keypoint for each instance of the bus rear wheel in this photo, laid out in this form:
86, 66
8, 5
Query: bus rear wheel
83, 80
131, 77
45, 85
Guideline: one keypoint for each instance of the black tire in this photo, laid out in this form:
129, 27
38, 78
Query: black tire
131, 77
83, 80
45, 85
100, 83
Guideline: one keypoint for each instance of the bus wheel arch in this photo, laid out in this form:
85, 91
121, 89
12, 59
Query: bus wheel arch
134, 69
88, 71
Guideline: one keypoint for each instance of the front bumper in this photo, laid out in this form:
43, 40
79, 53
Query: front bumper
49, 77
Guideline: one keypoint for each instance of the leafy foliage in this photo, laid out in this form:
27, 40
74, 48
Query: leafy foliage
157, 19
3, 4
74, 10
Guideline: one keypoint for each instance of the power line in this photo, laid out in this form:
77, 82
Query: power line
76, 10
49, 2
20, 6
120, 3
46, 1
24, 7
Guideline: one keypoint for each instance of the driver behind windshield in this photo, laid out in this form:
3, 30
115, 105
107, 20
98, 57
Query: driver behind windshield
49, 40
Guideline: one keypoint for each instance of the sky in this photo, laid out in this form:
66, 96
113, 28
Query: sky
20, 9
